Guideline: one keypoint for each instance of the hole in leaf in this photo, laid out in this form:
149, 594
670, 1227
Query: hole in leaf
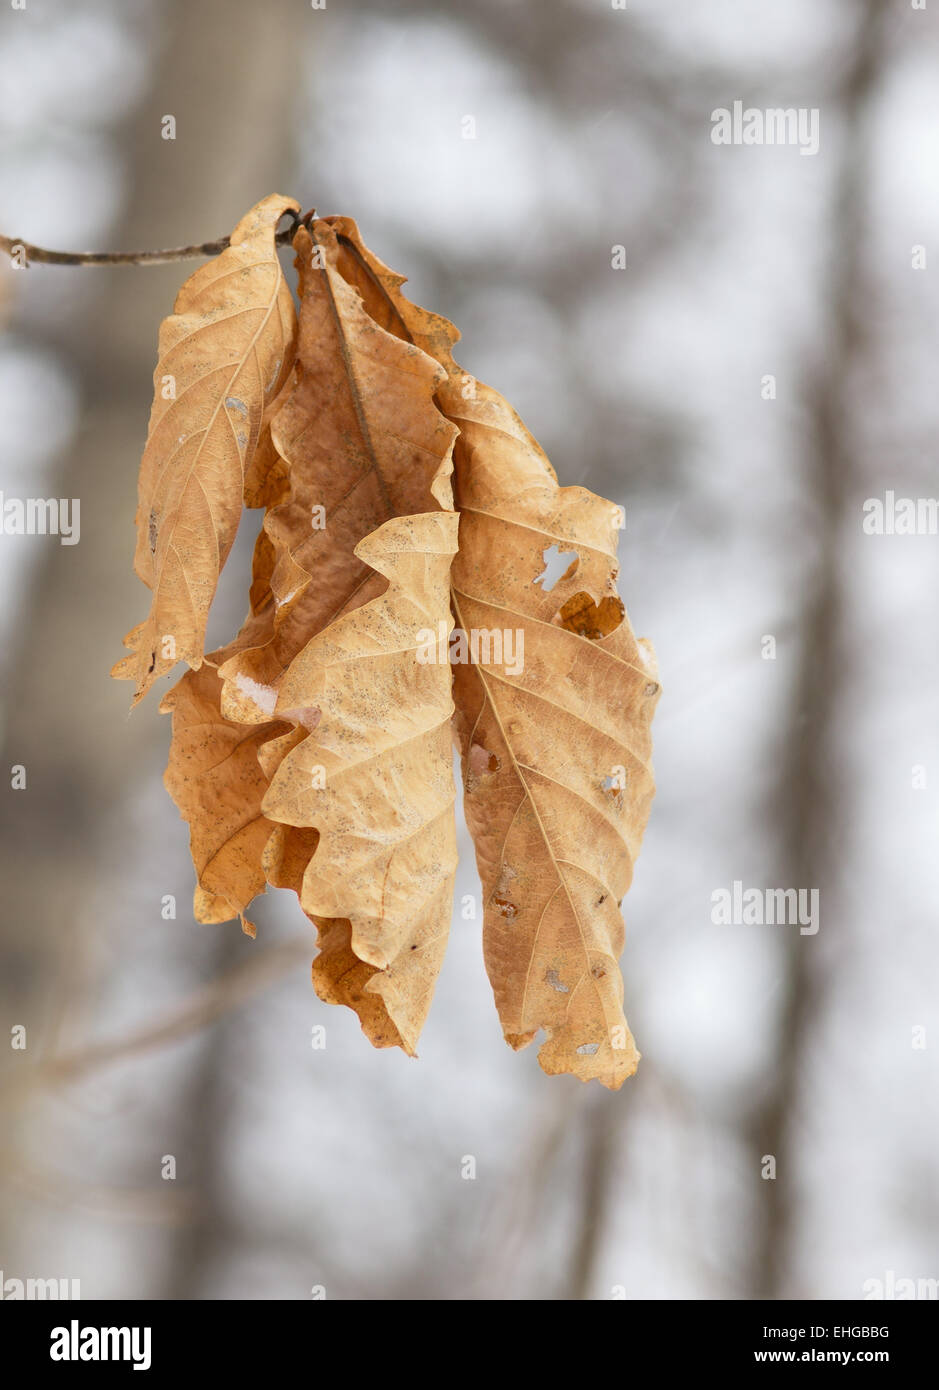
613, 785
558, 565
588, 619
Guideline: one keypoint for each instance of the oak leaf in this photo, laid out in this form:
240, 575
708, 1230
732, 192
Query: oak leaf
224, 354
361, 441
357, 434
214, 773
556, 756
312, 752
371, 852
374, 778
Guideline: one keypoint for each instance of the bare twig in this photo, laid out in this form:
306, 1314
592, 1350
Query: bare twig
24, 254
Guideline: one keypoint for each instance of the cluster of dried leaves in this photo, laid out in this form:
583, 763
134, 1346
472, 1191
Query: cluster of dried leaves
314, 751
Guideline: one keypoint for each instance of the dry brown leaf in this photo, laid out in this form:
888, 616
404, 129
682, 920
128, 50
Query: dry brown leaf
215, 779
358, 434
374, 778
362, 442
556, 756
214, 774
224, 354
266, 475
316, 757
557, 773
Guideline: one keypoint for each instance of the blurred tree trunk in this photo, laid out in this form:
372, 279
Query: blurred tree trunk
227, 75
604, 1157
813, 807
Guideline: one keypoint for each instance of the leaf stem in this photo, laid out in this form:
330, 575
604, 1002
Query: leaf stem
23, 253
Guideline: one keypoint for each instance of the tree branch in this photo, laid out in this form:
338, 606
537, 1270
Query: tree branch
24, 254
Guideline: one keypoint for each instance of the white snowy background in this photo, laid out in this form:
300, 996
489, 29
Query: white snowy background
341, 1167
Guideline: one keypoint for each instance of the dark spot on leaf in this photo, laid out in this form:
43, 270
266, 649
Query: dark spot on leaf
506, 875
588, 619
481, 761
